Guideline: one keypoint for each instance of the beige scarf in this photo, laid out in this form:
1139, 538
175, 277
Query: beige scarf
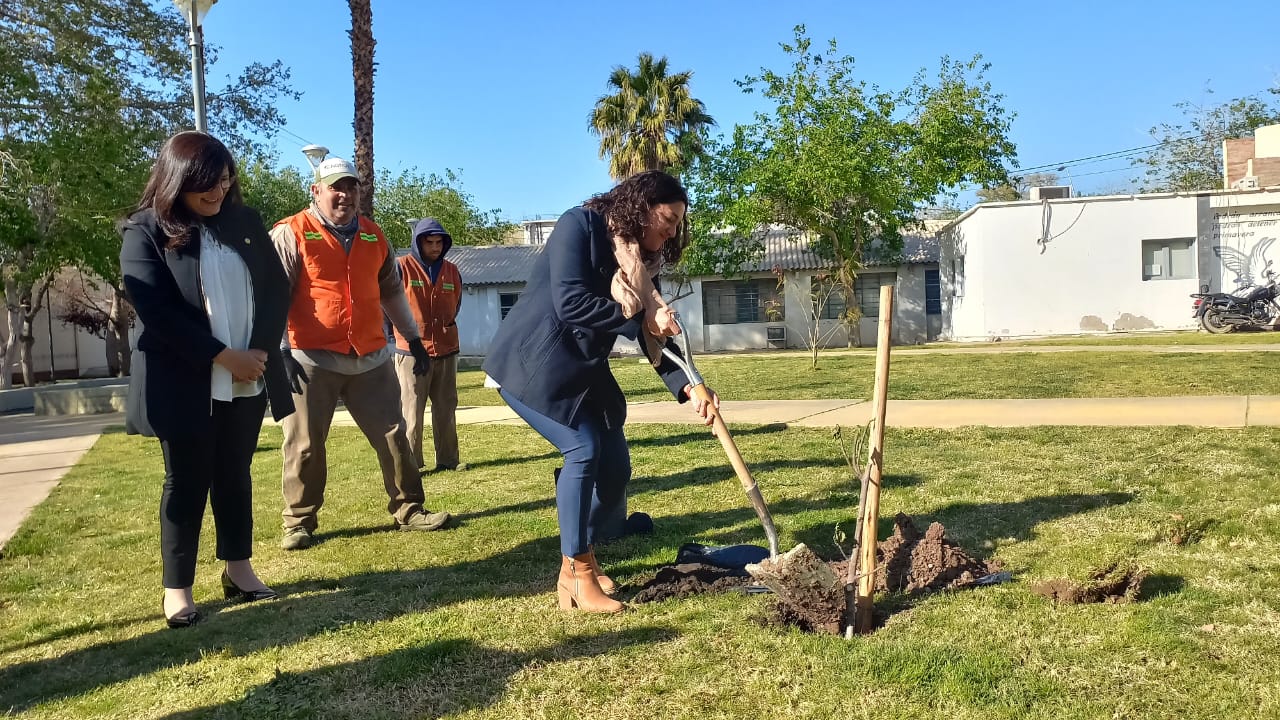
633, 288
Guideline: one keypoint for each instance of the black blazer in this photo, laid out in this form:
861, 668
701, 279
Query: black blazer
169, 389
552, 350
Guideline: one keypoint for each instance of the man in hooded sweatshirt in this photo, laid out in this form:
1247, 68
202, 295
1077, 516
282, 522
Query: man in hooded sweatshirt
434, 288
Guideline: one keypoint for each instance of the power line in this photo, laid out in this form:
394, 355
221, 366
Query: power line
295, 136
1106, 156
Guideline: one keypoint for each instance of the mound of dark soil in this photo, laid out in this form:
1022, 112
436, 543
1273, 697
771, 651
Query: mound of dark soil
679, 581
811, 590
1116, 583
912, 562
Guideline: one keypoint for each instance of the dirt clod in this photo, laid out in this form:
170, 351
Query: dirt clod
1116, 583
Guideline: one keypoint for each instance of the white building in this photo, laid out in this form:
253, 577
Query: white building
1099, 264
755, 311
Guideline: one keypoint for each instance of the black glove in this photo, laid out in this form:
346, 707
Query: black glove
297, 376
421, 360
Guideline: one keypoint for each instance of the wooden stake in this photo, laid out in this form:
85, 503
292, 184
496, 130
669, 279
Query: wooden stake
870, 509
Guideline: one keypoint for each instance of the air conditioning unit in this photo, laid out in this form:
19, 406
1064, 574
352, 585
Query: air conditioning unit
1248, 182
777, 337
1051, 192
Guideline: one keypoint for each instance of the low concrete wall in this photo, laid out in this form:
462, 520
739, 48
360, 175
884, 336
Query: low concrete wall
23, 398
87, 397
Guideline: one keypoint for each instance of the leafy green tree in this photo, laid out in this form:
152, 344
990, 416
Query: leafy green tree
1018, 189
1189, 154
275, 192
399, 199
88, 91
844, 161
649, 121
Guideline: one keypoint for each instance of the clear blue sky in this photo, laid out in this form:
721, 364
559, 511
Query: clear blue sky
501, 90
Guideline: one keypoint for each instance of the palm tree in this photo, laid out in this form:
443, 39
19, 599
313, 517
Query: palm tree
362, 44
650, 121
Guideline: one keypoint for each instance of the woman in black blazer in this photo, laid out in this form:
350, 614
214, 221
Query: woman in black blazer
594, 281
211, 301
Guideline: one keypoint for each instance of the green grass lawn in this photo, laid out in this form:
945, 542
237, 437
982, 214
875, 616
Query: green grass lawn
940, 376
462, 623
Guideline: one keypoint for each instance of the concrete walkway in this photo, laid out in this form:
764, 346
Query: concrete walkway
35, 452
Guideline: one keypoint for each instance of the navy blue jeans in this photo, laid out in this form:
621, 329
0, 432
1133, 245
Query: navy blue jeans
593, 482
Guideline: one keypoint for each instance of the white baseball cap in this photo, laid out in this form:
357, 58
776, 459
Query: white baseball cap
334, 169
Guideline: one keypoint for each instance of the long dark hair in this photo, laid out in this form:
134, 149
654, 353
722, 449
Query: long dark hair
188, 162
627, 206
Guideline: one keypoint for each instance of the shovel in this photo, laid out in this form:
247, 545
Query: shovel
721, 431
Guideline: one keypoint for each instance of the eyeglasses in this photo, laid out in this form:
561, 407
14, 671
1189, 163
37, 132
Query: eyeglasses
225, 183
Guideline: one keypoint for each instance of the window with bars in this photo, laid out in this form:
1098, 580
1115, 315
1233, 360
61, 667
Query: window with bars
506, 301
932, 292
729, 302
833, 301
867, 291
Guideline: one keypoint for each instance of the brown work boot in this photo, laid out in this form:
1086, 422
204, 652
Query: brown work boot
607, 585
577, 587
425, 520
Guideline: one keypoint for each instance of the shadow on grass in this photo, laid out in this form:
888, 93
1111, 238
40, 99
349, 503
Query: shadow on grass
526, 569
972, 525
408, 682
315, 606
703, 434
1161, 584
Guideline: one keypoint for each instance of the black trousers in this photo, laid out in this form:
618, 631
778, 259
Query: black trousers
213, 467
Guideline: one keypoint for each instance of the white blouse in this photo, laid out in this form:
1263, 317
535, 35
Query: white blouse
228, 300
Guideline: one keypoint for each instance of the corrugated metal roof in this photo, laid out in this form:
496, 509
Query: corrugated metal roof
784, 249
492, 264
788, 250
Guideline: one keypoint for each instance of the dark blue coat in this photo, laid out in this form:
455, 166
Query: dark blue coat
552, 350
172, 365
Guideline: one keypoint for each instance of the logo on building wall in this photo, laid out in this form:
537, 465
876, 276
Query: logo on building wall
1249, 269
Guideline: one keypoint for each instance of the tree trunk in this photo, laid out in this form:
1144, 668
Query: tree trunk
362, 44
30, 303
9, 350
117, 335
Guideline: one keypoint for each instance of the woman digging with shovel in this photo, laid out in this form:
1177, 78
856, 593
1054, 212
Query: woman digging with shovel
595, 280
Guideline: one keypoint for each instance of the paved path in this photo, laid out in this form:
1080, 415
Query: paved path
35, 452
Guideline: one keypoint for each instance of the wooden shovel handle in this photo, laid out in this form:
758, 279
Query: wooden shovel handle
721, 431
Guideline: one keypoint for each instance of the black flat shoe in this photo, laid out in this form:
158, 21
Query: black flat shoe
232, 592
181, 621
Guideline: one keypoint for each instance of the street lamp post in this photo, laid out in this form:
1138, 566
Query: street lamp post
315, 155
194, 11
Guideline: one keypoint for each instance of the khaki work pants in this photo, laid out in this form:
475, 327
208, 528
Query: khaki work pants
370, 397
440, 386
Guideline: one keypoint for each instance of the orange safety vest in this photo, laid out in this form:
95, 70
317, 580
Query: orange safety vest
336, 302
434, 305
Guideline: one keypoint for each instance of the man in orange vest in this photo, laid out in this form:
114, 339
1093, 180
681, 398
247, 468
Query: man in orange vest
434, 288
343, 279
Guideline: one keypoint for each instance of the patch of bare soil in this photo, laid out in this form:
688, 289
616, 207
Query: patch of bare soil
811, 591
1116, 583
680, 581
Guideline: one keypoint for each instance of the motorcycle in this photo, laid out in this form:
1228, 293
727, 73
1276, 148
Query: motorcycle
1223, 312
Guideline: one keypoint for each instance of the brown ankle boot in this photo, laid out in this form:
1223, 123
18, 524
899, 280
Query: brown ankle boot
577, 587
607, 585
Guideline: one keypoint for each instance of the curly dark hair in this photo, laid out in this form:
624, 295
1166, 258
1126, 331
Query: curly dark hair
189, 162
627, 207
